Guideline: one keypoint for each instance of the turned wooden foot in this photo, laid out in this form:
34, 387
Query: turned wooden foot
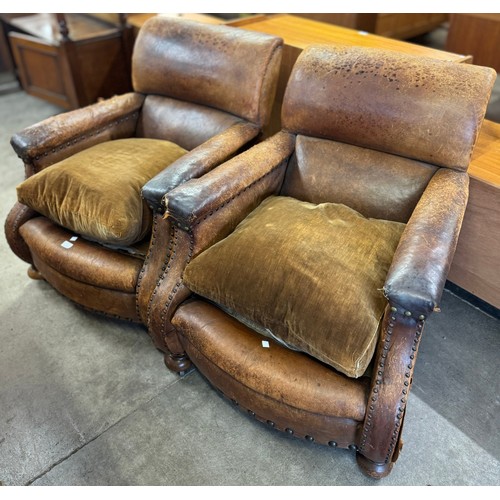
35, 274
373, 469
179, 364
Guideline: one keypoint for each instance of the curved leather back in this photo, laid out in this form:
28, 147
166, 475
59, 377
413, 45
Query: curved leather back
224, 67
416, 107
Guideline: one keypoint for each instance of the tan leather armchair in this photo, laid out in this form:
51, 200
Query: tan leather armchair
202, 93
276, 298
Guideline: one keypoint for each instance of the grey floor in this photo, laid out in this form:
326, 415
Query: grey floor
85, 400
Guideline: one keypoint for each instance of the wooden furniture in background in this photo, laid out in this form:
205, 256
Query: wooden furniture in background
475, 267
401, 26
137, 20
71, 60
478, 35
298, 33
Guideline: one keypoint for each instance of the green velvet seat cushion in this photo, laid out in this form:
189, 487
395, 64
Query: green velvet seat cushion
97, 192
311, 274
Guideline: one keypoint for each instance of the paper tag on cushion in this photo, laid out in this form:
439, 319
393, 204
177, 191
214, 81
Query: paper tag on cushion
66, 244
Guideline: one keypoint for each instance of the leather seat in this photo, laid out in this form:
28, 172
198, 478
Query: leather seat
202, 93
375, 140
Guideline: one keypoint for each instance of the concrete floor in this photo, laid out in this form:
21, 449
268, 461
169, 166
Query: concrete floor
85, 400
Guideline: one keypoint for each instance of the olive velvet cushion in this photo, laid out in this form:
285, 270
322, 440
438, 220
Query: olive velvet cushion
97, 192
312, 274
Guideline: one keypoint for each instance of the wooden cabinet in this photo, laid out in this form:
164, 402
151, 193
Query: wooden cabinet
477, 35
400, 26
71, 60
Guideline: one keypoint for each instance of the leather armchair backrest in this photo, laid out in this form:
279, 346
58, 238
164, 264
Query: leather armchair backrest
185, 123
376, 184
223, 67
420, 108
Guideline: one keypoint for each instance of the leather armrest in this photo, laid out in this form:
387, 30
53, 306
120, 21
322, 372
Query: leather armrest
417, 276
198, 198
198, 161
66, 129
219, 199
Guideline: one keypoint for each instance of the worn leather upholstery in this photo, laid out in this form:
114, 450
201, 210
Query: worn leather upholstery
386, 134
194, 86
202, 55
385, 101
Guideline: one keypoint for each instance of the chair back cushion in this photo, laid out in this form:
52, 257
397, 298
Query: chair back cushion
376, 184
224, 67
421, 108
311, 274
97, 192
187, 124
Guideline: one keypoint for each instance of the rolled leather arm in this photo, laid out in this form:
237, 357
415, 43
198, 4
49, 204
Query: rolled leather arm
198, 198
66, 129
198, 161
416, 278
220, 200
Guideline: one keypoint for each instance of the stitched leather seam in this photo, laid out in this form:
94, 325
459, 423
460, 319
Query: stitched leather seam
178, 284
80, 138
144, 267
165, 268
264, 79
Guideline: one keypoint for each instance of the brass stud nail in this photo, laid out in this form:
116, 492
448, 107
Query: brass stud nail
408, 313
421, 317
289, 431
353, 447
394, 309
309, 438
271, 423
333, 444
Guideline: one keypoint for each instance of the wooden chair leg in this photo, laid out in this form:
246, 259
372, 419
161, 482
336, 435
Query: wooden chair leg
376, 470
34, 273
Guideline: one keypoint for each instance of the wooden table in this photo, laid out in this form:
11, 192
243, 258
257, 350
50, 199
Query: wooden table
476, 265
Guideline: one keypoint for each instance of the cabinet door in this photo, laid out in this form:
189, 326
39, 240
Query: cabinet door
43, 69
